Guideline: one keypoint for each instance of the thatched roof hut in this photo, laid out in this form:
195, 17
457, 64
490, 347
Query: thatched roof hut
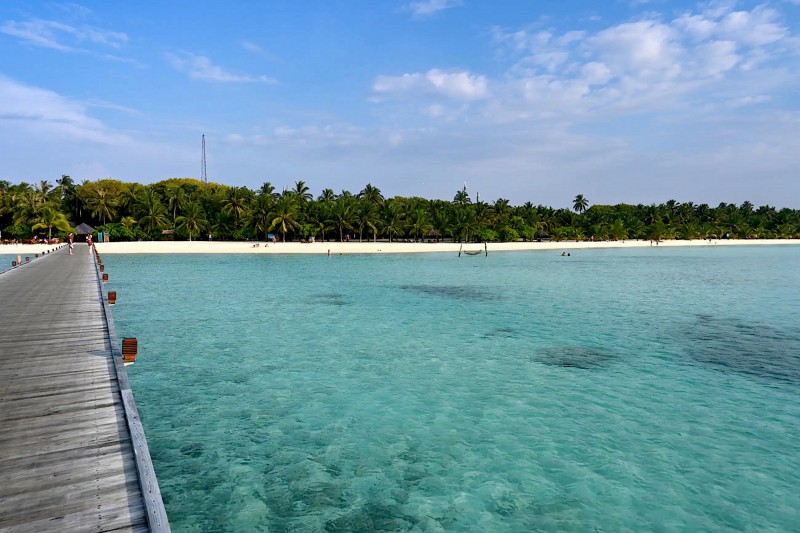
82, 230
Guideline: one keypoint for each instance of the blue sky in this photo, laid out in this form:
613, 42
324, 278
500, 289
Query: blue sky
634, 101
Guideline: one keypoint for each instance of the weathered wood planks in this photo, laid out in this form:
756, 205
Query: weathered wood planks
71, 443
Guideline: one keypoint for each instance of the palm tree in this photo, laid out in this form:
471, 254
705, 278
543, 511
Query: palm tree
193, 219
284, 215
128, 222
28, 206
44, 188
65, 183
501, 207
393, 218
574, 232
418, 222
261, 213
319, 218
367, 218
267, 189
580, 204
235, 204
672, 207
130, 198
176, 198
153, 214
600, 232
440, 220
219, 225
50, 218
102, 203
462, 197
342, 214
327, 195
464, 223
692, 230
482, 214
371, 194
617, 230
302, 191
652, 214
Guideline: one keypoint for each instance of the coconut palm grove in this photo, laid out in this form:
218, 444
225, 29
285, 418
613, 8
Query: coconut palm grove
189, 209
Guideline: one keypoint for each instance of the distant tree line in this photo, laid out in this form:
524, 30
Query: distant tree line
186, 208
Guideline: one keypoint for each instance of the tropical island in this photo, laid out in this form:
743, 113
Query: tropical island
189, 209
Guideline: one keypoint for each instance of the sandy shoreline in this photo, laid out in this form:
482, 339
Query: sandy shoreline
220, 247
205, 247
27, 249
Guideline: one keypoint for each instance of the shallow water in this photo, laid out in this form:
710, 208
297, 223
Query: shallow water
611, 390
7, 259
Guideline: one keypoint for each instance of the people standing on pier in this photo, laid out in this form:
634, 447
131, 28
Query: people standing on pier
89, 240
70, 243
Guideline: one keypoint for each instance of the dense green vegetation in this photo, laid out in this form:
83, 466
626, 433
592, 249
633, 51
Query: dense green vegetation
189, 209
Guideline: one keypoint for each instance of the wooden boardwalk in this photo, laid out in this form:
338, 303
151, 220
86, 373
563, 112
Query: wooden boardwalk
67, 458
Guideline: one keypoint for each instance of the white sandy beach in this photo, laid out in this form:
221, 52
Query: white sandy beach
214, 247
27, 249
354, 247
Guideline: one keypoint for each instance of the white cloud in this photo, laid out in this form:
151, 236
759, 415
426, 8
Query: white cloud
429, 7
596, 73
645, 49
48, 134
671, 97
50, 115
201, 68
52, 34
39, 33
696, 26
750, 100
251, 47
457, 85
715, 58
647, 65
757, 28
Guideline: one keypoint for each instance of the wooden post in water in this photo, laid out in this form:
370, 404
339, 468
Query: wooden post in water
112, 297
130, 347
102, 268
105, 278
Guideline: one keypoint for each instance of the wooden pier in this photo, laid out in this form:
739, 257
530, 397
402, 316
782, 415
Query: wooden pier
73, 456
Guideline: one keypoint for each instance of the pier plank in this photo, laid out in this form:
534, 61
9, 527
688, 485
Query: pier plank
72, 451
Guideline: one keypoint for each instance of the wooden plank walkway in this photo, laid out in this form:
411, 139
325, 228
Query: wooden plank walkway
68, 461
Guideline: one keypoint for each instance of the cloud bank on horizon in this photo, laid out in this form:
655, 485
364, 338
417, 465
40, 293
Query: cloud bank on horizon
634, 102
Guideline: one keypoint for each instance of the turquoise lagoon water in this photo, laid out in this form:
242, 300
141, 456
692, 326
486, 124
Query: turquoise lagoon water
6, 259
651, 389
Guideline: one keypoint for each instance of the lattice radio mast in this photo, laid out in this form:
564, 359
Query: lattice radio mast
203, 173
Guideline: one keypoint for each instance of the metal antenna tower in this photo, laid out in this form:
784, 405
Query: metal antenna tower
203, 174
